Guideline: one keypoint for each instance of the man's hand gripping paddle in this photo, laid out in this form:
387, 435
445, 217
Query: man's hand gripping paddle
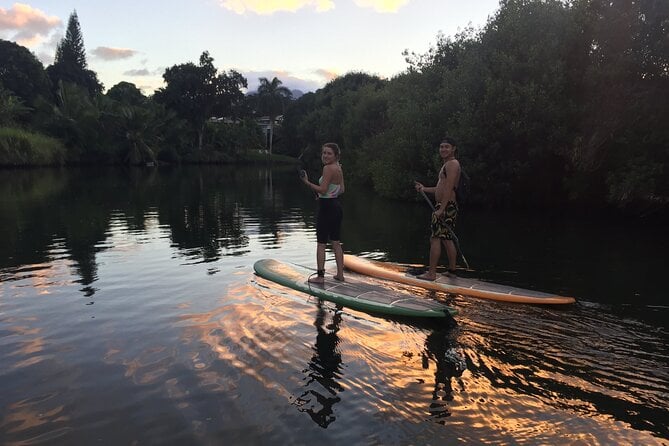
450, 231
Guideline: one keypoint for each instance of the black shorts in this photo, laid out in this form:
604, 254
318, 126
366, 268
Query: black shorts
328, 222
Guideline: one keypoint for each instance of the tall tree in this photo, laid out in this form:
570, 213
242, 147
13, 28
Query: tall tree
197, 92
70, 62
71, 48
271, 100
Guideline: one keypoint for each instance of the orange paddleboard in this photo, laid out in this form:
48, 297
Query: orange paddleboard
456, 285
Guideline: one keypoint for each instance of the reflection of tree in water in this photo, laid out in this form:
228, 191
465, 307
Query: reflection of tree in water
210, 211
272, 208
324, 369
439, 347
203, 214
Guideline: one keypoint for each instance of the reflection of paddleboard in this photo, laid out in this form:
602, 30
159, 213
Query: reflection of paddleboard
457, 285
355, 294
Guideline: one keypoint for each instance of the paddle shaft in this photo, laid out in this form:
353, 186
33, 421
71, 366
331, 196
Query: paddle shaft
302, 172
456, 242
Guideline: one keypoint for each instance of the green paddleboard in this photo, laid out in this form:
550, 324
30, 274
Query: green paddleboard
357, 294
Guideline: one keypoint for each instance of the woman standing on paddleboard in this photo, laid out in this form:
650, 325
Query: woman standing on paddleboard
330, 212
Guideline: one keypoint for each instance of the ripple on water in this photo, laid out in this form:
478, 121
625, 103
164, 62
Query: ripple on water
578, 362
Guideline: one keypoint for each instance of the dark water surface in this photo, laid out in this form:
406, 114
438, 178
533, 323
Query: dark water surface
130, 314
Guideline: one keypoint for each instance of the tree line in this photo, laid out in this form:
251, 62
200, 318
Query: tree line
61, 115
554, 104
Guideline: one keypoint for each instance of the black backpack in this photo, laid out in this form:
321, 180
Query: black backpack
463, 189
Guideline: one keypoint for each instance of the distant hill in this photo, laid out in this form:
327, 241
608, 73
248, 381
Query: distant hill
296, 93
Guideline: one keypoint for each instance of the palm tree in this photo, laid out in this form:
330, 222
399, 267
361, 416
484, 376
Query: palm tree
271, 96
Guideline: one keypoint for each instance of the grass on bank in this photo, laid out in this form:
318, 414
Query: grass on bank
19, 147
261, 156
22, 148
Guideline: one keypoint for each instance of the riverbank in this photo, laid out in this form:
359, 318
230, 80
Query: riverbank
21, 148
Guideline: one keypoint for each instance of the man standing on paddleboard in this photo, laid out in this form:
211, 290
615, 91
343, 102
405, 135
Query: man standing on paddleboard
446, 212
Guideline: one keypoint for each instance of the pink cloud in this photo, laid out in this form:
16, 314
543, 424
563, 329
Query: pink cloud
27, 25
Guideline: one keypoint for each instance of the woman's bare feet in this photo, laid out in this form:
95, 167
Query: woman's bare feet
316, 279
339, 278
427, 276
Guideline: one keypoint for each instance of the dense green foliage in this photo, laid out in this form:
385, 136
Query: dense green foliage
12, 109
64, 103
198, 92
22, 73
554, 104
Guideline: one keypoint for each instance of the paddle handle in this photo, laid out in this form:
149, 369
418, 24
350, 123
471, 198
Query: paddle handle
428, 200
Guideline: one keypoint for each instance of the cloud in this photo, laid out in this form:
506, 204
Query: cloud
265, 7
108, 53
326, 74
138, 72
46, 52
382, 5
27, 24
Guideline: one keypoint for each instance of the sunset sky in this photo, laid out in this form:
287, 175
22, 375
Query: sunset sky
305, 43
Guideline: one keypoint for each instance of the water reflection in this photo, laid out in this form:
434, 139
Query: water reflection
215, 212
440, 347
209, 213
585, 362
323, 371
174, 351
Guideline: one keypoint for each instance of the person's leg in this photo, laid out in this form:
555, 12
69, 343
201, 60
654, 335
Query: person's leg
339, 258
320, 264
437, 234
320, 256
435, 254
450, 221
335, 237
452, 254
321, 241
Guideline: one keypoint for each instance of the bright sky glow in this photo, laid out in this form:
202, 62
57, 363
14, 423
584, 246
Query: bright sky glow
305, 43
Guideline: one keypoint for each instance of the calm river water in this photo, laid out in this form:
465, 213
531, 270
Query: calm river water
130, 314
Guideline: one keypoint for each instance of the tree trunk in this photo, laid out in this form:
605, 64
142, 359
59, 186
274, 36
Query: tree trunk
271, 133
200, 135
